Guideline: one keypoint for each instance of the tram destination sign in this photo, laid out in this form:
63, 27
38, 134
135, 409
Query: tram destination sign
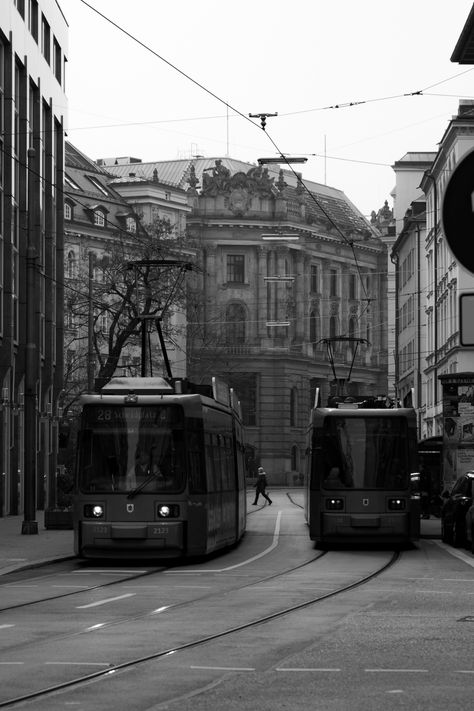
458, 212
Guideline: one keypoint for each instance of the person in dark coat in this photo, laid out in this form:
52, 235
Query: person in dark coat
260, 487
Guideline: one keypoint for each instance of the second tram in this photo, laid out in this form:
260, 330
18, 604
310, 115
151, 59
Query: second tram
159, 470
362, 478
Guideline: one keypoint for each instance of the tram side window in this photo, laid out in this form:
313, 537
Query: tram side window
219, 462
197, 480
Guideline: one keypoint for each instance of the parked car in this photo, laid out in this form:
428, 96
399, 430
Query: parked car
470, 529
455, 507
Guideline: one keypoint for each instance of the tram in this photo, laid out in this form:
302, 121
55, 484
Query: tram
362, 480
159, 470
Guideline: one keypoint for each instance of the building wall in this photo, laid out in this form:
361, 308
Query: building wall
33, 50
266, 335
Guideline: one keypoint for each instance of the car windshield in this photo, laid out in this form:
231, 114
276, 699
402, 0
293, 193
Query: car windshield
131, 449
365, 452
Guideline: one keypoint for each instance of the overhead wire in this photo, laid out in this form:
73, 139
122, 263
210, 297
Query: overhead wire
280, 153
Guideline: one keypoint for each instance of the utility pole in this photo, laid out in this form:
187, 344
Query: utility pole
90, 327
30, 525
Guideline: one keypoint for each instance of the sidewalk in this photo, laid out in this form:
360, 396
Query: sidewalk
19, 551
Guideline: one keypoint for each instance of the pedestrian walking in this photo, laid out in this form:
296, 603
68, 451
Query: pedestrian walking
260, 487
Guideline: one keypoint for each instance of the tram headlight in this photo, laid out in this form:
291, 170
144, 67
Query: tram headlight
334, 504
93, 511
167, 511
397, 504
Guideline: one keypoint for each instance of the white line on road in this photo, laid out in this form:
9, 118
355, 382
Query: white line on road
397, 671
307, 669
457, 554
81, 664
274, 543
5, 664
3, 627
225, 668
107, 572
104, 602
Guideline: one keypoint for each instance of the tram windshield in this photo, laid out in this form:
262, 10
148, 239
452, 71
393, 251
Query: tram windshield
365, 453
131, 449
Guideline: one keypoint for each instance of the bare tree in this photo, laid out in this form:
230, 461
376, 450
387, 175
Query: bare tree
136, 279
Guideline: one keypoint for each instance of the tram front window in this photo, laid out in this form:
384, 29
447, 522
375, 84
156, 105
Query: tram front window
131, 449
365, 453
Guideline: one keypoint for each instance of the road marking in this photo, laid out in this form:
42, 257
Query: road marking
4, 627
274, 543
104, 602
5, 664
457, 554
397, 671
307, 669
108, 572
77, 664
225, 668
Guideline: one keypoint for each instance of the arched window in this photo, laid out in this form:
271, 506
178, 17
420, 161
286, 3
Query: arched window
71, 265
293, 407
235, 318
68, 212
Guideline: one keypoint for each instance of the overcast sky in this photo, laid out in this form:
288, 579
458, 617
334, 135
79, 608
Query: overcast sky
296, 58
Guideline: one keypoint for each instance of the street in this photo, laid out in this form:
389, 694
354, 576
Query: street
264, 625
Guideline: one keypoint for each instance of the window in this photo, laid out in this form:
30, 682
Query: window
57, 60
235, 324
293, 407
99, 218
332, 282
235, 268
20, 4
71, 265
131, 224
352, 286
314, 327
45, 39
68, 212
70, 182
33, 19
314, 278
333, 327
69, 316
96, 183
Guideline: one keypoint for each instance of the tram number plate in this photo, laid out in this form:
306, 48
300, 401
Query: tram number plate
158, 531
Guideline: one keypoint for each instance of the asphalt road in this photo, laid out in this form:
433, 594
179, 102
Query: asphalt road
244, 630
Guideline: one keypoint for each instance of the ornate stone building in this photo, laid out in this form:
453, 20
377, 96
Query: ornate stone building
286, 264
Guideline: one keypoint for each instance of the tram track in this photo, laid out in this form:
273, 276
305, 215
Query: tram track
103, 674
130, 578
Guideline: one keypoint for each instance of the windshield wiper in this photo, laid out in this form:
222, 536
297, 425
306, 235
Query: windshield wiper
137, 489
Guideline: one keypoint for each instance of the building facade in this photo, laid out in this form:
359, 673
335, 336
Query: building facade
33, 52
289, 271
105, 217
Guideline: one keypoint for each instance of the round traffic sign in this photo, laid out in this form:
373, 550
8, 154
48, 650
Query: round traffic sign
458, 212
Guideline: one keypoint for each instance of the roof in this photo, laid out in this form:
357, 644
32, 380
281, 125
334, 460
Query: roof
324, 203
464, 49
